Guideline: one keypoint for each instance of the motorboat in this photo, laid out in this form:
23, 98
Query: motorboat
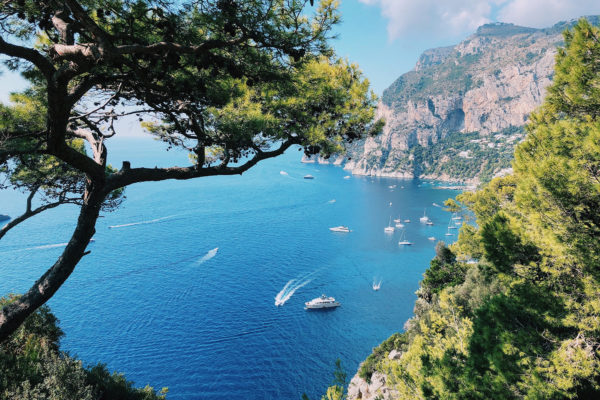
431, 238
347, 177
309, 177
392, 186
407, 221
321, 302
429, 223
340, 228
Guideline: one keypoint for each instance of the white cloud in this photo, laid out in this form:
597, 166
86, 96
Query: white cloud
457, 18
543, 13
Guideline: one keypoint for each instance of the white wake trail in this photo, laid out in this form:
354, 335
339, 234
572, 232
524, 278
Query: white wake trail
376, 285
47, 246
288, 291
152, 221
209, 255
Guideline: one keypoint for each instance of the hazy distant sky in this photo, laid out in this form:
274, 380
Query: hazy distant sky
385, 37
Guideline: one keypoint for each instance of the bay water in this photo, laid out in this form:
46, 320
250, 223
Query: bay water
200, 285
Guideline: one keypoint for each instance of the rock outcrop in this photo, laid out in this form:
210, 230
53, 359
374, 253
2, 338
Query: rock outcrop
486, 86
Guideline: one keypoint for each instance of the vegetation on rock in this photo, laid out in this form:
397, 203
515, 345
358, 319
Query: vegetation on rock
524, 321
33, 367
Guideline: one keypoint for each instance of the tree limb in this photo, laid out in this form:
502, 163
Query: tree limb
31, 55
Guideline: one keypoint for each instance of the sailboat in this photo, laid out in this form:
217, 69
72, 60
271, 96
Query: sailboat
451, 225
389, 228
425, 219
399, 223
403, 241
448, 233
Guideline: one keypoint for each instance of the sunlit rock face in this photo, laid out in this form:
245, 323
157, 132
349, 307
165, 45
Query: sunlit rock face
486, 86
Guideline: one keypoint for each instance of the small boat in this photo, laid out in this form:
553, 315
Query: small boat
4, 217
403, 241
451, 225
392, 186
309, 177
397, 220
340, 228
283, 172
458, 223
407, 221
425, 219
321, 302
347, 177
428, 223
389, 228
399, 225
390, 203
431, 238
457, 217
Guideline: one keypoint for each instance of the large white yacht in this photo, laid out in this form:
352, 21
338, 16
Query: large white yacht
340, 228
322, 302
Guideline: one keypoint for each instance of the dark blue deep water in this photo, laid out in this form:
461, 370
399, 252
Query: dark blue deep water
154, 302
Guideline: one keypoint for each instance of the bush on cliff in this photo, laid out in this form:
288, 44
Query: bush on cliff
32, 367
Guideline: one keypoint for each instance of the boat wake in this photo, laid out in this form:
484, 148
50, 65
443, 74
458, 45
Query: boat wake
290, 288
46, 246
152, 221
208, 256
376, 285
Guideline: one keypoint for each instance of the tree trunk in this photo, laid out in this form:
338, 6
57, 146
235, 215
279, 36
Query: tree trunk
13, 314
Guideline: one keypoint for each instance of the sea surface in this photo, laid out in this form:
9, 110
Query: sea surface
181, 286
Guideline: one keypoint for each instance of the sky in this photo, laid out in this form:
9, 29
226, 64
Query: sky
386, 37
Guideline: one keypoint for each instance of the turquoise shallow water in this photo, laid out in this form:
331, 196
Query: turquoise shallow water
155, 300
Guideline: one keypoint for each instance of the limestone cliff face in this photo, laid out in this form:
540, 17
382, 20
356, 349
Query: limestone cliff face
485, 85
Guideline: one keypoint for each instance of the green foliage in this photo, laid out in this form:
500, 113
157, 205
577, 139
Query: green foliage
522, 321
32, 367
466, 155
444, 271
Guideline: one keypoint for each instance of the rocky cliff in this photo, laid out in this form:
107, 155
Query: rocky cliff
458, 114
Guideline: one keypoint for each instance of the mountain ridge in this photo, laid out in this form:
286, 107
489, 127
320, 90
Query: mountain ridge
485, 85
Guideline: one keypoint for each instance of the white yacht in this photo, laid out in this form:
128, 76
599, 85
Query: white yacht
340, 228
425, 219
431, 238
321, 302
403, 241
389, 228
309, 177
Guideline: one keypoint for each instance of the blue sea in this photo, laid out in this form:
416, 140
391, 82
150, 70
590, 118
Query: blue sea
181, 285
